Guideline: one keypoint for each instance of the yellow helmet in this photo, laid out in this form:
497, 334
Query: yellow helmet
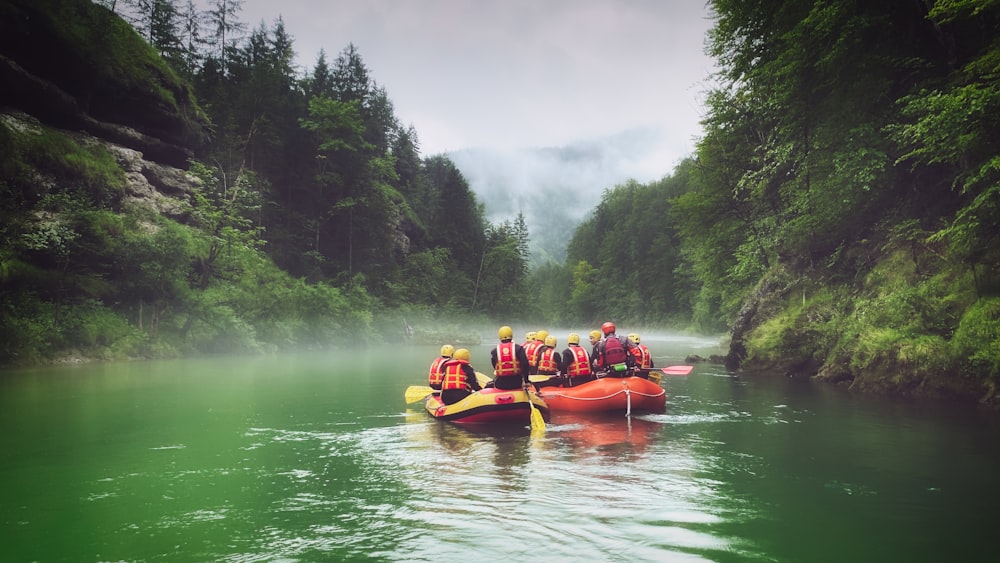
462, 354
634, 338
595, 335
447, 350
573, 338
505, 333
541, 334
529, 336
550, 341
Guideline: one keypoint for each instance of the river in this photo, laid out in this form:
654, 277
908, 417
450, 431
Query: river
316, 457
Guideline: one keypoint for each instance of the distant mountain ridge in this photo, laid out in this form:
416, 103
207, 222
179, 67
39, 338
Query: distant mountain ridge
557, 188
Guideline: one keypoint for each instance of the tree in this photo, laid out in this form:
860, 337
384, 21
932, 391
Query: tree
500, 281
190, 39
953, 124
225, 28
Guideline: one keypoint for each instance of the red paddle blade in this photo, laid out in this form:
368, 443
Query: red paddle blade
677, 370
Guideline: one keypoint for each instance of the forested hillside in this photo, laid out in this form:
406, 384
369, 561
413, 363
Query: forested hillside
171, 184
842, 211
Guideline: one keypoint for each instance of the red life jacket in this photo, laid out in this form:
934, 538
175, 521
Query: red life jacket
643, 359
531, 350
454, 376
546, 361
613, 352
581, 361
506, 360
636, 354
435, 375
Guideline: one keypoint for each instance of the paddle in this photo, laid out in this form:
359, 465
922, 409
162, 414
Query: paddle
483, 379
416, 393
654, 373
537, 420
670, 370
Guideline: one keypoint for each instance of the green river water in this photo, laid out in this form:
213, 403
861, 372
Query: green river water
316, 457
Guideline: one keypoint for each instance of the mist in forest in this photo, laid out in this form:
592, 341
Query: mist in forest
557, 188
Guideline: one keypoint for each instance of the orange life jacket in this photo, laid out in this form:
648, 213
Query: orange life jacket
546, 361
581, 362
532, 352
506, 360
454, 376
435, 376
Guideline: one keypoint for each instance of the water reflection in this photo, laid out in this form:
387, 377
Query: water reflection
608, 434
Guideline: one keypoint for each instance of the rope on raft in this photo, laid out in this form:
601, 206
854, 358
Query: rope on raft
628, 397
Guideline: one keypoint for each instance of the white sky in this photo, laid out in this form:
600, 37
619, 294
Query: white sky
520, 74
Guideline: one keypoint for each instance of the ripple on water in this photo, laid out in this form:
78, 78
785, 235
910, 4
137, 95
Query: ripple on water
428, 491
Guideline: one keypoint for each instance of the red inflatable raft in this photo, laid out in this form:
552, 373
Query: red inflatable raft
625, 394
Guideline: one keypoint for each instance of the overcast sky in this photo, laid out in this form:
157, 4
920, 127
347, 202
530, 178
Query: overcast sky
517, 74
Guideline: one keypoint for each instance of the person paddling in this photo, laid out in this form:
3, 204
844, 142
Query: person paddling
529, 337
531, 350
459, 378
643, 357
595, 337
613, 353
576, 362
550, 363
436, 374
510, 362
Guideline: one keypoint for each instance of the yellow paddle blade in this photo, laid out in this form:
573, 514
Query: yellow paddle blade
483, 379
538, 378
537, 420
655, 377
416, 393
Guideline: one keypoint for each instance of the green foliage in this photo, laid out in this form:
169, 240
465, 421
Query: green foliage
89, 169
854, 147
582, 295
500, 282
96, 43
425, 275
977, 340
34, 330
11, 160
801, 335
903, 358
849, 157
338, 125
339, 185
25, 325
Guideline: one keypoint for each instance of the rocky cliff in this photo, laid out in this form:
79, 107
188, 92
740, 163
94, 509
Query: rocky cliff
75, 66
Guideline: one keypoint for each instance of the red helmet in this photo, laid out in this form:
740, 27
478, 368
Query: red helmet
608, 327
